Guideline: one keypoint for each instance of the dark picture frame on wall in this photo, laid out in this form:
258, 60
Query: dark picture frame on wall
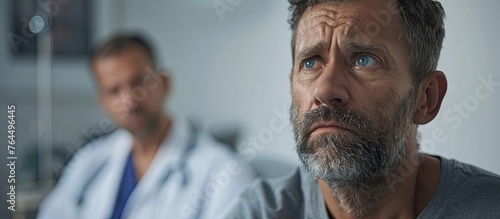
67, 20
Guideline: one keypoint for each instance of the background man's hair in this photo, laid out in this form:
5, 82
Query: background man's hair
120, 42
423, 23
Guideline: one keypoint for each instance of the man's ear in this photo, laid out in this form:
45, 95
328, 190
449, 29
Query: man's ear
165, 77
430, 96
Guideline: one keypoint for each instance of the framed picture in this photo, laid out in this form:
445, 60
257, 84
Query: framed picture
67, 20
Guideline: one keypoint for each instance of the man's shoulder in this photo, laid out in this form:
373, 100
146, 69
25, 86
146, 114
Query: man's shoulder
274, 190
473, 178
214, 152
470, 191
212, 157
207, 145
100, 140
480, 184
290, 196
95, 147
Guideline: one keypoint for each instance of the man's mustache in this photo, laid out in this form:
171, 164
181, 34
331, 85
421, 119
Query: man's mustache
135, 110
342, 117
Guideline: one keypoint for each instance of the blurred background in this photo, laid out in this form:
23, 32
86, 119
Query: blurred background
230, 61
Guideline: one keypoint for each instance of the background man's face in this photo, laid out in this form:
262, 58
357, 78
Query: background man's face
130, 92
352, 91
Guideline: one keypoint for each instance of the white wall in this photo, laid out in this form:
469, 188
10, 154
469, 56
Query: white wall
230, 71
236, 69
470, 52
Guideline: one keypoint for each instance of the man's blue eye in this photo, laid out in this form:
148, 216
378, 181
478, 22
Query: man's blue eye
365, 61
309, 63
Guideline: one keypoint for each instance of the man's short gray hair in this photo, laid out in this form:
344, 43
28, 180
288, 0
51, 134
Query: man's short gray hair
423, 23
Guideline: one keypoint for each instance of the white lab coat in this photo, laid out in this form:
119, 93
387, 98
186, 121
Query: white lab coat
211, 179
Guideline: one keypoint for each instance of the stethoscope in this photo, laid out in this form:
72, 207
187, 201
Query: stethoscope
180, 167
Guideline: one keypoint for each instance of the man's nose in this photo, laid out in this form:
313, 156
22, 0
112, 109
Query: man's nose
330, 88
127, 97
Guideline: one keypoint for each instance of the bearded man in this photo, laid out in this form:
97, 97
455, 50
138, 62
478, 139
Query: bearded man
364, 78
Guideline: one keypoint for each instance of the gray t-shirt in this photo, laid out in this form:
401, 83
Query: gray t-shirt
464, 191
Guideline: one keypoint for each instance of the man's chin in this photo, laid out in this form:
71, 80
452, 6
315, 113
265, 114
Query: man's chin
331, 173
338, 147
336, 166
135, 129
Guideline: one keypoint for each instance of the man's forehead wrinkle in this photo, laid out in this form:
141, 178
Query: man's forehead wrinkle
320, 12
326, 21
336, 24
322, 17
325, 16
350, 23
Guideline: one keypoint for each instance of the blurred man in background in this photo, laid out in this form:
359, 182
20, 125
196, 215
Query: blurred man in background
364, 77
155, 165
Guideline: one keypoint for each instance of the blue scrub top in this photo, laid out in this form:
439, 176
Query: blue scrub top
127, 185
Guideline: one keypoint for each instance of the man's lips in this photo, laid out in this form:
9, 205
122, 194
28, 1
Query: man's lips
327, 127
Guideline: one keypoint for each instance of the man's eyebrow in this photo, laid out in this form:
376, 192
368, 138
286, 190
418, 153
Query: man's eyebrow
353, 47
313, 50
381, 51
350, 47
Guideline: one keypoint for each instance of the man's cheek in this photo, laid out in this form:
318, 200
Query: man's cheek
299, 100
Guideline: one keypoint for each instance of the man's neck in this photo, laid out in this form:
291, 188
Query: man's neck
418, 175
153, 139
144, 149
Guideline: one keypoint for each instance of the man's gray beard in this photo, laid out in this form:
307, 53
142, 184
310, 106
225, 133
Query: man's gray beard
152, 127
355, 164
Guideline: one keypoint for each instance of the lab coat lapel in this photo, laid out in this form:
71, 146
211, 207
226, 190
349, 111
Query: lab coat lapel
105, 188
145, 195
